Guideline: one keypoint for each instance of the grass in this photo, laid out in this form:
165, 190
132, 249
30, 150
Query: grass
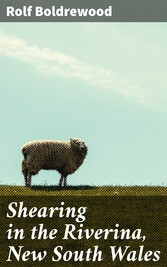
83, 190
132, 207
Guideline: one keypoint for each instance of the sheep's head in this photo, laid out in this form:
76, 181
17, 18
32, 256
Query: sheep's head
79, 146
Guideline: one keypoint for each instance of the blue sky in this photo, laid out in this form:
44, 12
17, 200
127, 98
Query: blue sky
104, 83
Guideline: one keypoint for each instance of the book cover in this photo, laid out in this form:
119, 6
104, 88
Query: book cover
83, 133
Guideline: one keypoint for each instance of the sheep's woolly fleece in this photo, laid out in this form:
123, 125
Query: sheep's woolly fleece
64, 156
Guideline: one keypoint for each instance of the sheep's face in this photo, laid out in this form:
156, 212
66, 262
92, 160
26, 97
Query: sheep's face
79, 146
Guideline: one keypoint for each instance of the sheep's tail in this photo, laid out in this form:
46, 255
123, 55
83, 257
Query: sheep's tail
24, 152
23, 167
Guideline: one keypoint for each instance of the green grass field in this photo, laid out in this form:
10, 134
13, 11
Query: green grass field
83, 190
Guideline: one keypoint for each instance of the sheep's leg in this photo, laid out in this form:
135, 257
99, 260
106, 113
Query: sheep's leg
24, 171
29, 179
25, 176
65, 181
61, 180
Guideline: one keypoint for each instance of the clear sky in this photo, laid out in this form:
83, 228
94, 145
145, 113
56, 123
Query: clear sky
104, 83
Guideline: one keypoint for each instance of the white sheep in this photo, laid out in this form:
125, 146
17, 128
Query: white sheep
64, 156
